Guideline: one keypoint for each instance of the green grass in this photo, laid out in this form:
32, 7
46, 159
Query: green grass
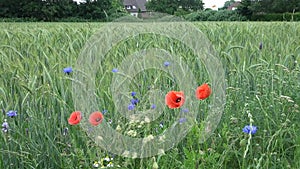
262, 86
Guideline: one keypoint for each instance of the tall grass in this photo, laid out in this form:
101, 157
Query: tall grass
262, 87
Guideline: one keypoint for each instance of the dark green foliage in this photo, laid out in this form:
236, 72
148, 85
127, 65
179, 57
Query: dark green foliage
277, 17
211, 15
268, 10
58, 10
175, 6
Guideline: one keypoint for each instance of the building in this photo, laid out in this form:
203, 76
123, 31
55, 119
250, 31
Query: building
233, 6
135, 7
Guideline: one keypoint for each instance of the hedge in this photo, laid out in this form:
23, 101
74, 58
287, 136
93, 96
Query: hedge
276, 17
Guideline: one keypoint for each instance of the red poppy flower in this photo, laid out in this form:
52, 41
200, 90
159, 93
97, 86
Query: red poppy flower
96, 118
74, 118
203, 91
174, 99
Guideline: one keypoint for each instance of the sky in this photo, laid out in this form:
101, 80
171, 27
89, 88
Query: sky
210, 3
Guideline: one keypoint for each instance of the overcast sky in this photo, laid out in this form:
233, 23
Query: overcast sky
210, 3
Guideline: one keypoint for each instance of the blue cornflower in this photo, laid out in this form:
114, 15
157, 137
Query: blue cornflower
131, 106
153, 106
11, 113
250, 129
134, 101
185, 110
182, 120
133, 94
68, 70
4, 126
166, 63
104, 112
115, 70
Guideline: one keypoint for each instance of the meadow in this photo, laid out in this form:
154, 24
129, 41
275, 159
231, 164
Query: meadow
262, 74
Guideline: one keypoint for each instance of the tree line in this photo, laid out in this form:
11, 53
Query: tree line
106, 10
249, 8
55, 10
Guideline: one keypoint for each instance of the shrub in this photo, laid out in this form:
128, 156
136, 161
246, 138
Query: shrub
276, 17
211, 15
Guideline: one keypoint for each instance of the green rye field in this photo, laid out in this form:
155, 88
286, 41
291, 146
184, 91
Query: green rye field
262, 71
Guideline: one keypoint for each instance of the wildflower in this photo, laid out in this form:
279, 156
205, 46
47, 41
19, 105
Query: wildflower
203, 91
260, 46
131, 106
96, 164
182, 120
174, 99
148, 138
118, 128
147, 120
132, 133
75, 118
11, 113
68, 70
106, 162
104, 112
96, 118
153, 106
115, 70
134, 101
155, 165
250, 129
133, 94
166, 64
5, 126
185, 110
110, 164
110, 121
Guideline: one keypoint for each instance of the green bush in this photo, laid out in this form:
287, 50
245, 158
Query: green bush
211, 15
276, 17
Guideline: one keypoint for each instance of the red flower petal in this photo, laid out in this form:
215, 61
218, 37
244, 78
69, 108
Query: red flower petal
174, 99
96, 118
74, 118
203, 91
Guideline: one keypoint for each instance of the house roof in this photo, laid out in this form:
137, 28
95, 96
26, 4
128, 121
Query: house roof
234, 5
140, 4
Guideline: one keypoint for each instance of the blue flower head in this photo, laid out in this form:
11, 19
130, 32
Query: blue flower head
153, 106
131, 106
185, 110
115, 70
104, 112
166, 64
134, 101
133, 94
68, 70
250, 129
182, 120
11, 113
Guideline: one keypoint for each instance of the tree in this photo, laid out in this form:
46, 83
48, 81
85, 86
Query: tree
244, 8
171, 6
227, 4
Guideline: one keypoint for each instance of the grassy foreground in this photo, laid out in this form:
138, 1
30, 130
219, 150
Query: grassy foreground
262, 88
